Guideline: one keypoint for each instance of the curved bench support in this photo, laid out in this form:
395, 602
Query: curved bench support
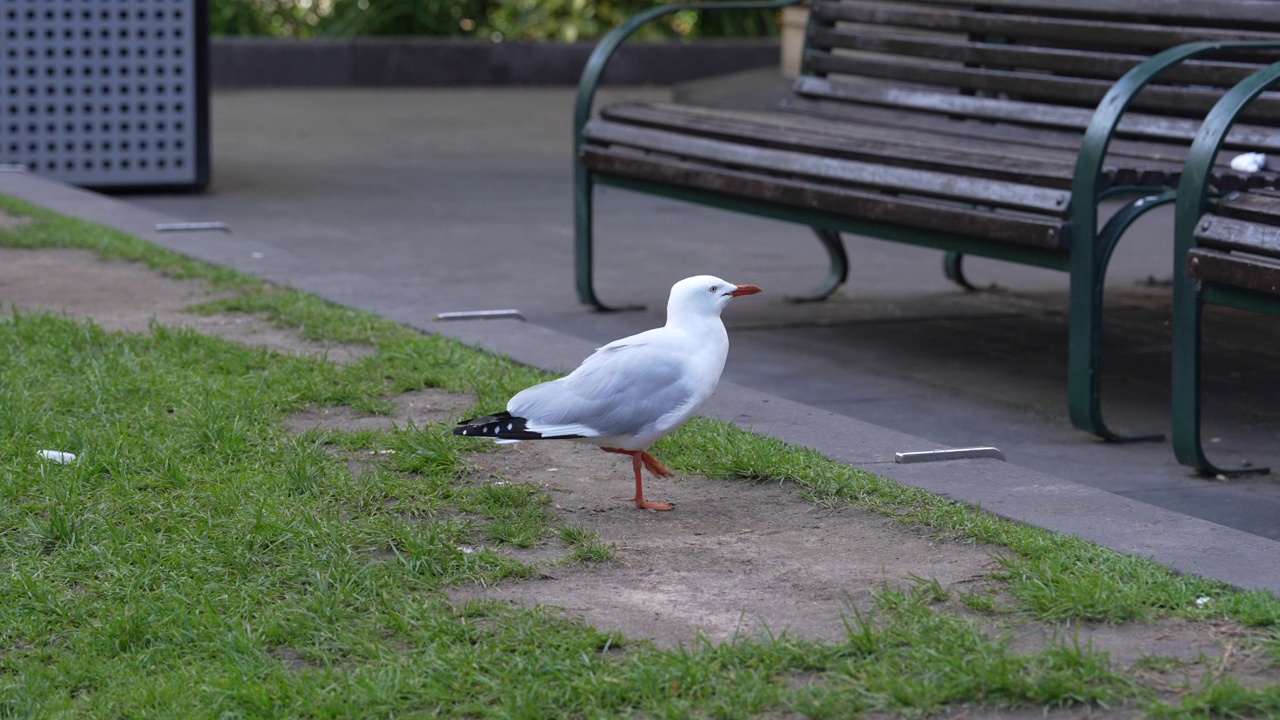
587, 85
1193, 194
838, 273
953, 268
1090, 251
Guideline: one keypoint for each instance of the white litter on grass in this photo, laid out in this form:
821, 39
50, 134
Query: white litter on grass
466, 550
1202, 601
382, 452
1249, 162
58, 456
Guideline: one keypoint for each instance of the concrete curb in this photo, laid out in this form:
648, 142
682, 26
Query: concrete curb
431, 62
1178, 541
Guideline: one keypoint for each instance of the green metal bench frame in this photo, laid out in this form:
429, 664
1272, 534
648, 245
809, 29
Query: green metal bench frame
1087, 261
1190, 294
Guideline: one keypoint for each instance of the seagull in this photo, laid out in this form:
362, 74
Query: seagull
632, 392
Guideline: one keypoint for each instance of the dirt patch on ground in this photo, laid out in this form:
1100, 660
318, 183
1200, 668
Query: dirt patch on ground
127, 297
419, 408
733, 558
737, 559
8, 221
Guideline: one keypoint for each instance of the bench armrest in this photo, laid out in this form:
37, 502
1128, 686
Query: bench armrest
604, 50
1106, 118
1193, 188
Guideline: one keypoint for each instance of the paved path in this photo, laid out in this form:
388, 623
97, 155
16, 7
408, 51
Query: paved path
414, 202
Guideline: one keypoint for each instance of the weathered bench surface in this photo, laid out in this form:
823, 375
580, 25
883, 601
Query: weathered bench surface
934, 114
993, 128
1238, 243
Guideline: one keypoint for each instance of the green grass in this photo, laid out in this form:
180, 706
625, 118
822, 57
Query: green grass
586, 544
197, 560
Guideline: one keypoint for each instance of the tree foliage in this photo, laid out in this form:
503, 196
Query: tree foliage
563, 20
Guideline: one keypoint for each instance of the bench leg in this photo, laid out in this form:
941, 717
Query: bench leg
1187, 446
1084, 354
838, 273
583, 219
953, 268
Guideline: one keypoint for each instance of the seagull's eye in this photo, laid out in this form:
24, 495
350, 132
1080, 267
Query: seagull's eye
715, 288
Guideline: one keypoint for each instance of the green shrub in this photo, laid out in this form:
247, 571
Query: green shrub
563, 20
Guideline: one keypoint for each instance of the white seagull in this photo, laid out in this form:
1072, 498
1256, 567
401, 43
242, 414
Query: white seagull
632, 392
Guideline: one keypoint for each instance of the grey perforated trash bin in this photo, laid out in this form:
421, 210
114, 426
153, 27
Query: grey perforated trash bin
107, 94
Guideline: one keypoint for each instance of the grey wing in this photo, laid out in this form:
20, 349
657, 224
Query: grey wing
620, 390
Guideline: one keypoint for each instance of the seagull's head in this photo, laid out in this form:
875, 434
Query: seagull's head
704, 295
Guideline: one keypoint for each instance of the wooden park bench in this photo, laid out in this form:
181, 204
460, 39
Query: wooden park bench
1227, 252
993, 128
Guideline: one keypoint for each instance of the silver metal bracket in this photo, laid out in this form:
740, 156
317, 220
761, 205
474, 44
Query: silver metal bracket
184, 226
955, 454
481, 315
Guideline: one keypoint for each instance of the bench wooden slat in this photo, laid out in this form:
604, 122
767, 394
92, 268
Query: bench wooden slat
1199, 12
1134, 125
961, 188
1126, 36
854, 120
1242, 271
1226, 233
1074, 62
1137, 162
1031, 230
1145, 163
1260, 206
981, 157
1075, 90
1066, 139
1085, 92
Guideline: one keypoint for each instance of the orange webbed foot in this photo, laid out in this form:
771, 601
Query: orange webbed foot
643, 504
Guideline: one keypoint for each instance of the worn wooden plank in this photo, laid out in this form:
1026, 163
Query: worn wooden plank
874, 123
915, 212
1257, 206
995, 109
1068, 139
875, 176
1262, 14
1144, 163
1074, 61
935, 134
1235, 234
1089, 33
906, 148
1155, 163
1242, 271
1039, 157
1133, 125
1078, 91
1083, 92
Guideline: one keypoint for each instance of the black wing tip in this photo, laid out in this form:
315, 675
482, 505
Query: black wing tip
501, 426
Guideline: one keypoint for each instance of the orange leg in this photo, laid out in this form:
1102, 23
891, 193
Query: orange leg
641, 458
654, 466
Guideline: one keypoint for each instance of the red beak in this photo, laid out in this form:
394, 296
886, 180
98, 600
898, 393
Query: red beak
745, 290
